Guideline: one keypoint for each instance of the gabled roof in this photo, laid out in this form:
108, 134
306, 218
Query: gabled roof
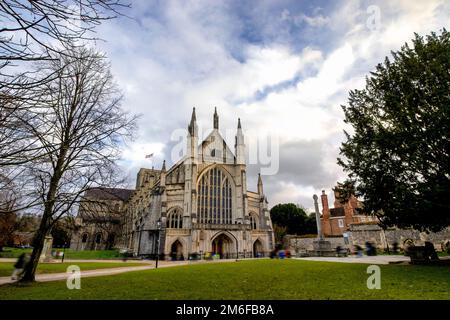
216, 139
109, 194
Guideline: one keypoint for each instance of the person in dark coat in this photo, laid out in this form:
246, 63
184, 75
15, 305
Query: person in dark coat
19, 266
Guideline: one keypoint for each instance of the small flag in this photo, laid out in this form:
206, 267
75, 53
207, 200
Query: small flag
149, 156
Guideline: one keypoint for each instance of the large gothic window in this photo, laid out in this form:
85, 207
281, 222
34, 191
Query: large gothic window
214, 198
175, 219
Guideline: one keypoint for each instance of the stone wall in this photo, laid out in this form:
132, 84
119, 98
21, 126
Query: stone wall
297, 244
360, 233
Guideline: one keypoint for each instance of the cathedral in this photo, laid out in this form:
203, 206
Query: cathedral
199, 207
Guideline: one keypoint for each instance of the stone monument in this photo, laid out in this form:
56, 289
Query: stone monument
321, 246
46, 254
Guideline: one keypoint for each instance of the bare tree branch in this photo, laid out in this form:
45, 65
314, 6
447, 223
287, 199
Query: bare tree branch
76, 127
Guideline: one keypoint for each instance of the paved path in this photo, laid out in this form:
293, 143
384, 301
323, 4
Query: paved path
88, 260
110, 271
363, 259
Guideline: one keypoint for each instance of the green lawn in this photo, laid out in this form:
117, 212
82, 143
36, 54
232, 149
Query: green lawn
92, 254
69, 254
6, 268
260, 279
13, 252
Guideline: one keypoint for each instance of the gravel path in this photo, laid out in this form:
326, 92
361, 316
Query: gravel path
109, 271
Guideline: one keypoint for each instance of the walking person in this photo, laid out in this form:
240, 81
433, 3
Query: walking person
19, 266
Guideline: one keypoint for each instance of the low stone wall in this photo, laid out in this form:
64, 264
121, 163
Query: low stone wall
361, 233
297, 244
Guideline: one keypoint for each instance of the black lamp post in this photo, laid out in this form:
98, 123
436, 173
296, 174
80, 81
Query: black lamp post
64, 252
158, 227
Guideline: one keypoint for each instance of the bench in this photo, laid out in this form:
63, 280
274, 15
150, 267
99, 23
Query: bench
342, 252
421, 254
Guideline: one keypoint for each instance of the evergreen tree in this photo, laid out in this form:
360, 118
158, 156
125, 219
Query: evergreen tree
398, 152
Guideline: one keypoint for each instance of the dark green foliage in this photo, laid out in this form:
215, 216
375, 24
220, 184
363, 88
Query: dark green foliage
293, 218
345, 190
399, 151
61, 234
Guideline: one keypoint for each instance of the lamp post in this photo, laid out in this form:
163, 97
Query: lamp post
64, 252
158, 227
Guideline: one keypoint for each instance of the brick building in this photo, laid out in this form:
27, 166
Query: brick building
336, 221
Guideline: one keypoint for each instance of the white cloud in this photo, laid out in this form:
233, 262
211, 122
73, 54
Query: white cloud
181, 54
313, 21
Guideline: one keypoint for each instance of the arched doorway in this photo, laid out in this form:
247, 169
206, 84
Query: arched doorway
84, 240
98, 241
110, 241
176, 251
223, 246
258, 250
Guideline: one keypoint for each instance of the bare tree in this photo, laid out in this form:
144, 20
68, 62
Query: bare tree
31, 31
8, 211
36, 30
76, 127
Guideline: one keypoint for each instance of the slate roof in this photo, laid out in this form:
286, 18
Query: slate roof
109, 194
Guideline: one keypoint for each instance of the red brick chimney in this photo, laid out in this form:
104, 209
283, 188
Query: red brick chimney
325, 208
326, 226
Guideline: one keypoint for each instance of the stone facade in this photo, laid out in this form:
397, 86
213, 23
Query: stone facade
201, 203
98, 224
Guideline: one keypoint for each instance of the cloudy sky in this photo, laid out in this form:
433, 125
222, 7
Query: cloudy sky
283, 67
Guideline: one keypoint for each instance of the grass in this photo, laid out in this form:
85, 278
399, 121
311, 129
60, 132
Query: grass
69, 254
401, 253
252, 279
6, 268
13, 252
92, 254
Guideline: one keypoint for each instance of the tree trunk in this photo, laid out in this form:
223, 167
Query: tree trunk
38, 244
45, 226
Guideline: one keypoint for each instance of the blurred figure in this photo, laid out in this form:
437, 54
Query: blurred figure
359, 251
342, 251
288, 253
370, 249
430, 251
19, 266
395, 246
273, 254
